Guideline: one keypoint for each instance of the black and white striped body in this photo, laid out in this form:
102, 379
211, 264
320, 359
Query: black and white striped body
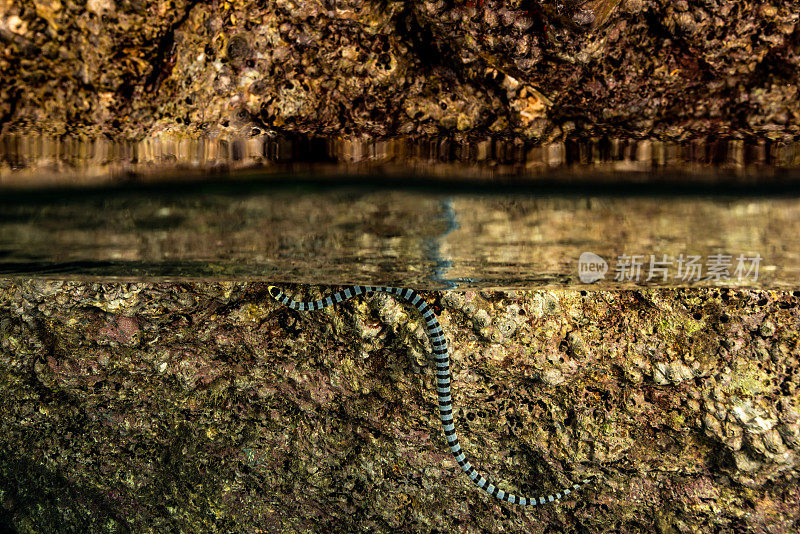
439, 344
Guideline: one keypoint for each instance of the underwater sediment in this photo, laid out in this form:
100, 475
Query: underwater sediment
149, 407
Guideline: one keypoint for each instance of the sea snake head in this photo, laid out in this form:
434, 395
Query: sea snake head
274, 291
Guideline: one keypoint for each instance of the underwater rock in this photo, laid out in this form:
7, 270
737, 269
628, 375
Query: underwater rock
208, 407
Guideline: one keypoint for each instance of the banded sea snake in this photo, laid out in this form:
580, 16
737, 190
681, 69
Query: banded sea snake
439, 344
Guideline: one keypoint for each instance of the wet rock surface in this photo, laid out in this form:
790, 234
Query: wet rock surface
149, 407
538, 70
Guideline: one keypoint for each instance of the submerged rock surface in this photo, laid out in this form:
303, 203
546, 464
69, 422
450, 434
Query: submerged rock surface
148, 407
538, 70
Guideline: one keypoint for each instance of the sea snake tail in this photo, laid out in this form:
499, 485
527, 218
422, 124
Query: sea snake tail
439, 344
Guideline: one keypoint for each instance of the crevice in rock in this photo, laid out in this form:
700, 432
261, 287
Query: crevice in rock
434, 55
163, 61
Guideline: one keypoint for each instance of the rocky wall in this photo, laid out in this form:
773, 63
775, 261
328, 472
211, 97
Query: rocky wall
538, 70
208, 407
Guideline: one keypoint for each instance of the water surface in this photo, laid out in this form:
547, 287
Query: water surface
466, 237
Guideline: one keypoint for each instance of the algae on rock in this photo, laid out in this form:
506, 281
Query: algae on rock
206, 406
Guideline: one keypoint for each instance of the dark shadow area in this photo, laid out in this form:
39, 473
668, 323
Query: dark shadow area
571, 183
28, 486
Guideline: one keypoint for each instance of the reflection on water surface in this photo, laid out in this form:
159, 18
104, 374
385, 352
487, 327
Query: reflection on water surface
424, 239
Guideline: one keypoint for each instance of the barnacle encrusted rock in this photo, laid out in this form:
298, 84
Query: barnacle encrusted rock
536, 69
208, 407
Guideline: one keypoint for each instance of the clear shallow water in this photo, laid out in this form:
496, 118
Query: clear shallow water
432, 238
431, 213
